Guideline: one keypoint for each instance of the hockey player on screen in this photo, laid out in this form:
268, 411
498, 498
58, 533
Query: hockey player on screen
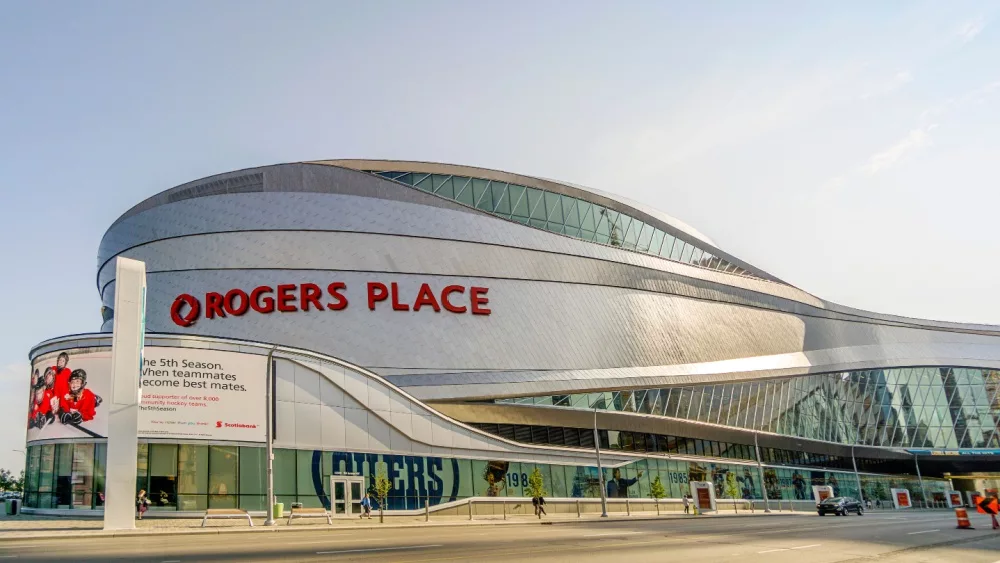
80, 404
62, 374
41, 408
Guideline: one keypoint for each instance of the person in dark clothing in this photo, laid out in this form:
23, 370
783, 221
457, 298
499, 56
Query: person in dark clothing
618, 486
539, 504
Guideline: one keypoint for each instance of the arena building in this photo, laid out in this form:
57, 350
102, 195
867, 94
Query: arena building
461, 327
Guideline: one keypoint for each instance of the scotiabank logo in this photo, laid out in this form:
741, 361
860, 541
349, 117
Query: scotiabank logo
220, 424
291, 298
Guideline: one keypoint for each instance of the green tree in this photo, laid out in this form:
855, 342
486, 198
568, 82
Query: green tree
7, 480
536, 487
381, 488
536, 484
732, 489
656, 491
18, 484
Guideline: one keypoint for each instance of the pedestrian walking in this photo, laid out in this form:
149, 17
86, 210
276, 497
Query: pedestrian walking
141, 503
539, 504
366, 506
687, 504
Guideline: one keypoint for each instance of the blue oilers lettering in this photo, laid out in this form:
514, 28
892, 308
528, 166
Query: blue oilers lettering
413, 478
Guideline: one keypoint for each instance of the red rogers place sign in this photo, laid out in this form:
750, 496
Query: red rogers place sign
290, 298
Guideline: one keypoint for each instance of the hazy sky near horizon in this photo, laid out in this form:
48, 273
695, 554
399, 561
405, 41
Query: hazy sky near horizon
850, 148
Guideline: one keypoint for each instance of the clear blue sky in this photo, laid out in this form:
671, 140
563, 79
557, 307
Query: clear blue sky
850, 148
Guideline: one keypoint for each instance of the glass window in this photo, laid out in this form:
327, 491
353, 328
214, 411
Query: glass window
587, 221
482, 195
424, 182
632, 233
444, 186
82, 478
686, 255
142, 469
696, 257
464, 195
553, 208
518, 201
677, 250
223, 464
284, 472
192, 478
46, 473
569, 208
656, 242
64, 476
501, 199
645, 238
162, 490
668, 244
536, 202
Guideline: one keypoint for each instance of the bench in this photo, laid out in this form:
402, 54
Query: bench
226, 513
298, 512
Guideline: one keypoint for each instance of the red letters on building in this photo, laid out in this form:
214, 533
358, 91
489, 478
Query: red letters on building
334, 290
265, 305
446, 301
308, 297
376, 292
426, 297
286, 298
477, 296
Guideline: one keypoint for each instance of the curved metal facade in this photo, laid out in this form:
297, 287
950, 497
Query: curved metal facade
569, 314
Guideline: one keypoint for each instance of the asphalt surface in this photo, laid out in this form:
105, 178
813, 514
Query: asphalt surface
892, 537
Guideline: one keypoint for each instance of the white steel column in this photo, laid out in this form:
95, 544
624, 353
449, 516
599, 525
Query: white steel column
123, 409
600, 470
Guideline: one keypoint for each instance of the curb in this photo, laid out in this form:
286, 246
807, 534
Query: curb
153, 532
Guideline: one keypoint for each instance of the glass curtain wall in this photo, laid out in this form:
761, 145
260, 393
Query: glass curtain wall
565, 215
193, 477
917, 407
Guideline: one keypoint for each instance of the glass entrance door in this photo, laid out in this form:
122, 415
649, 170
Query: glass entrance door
356, 493
346, 496
339, 504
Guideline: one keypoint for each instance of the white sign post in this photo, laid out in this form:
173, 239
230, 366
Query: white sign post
821, 492
901, 498
123, 412
704, 496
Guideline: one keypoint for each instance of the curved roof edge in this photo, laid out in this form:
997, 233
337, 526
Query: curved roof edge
647, 214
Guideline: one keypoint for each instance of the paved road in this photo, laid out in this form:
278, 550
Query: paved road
894, 538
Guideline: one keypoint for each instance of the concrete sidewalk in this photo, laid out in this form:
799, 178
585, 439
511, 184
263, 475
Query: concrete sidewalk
27, 526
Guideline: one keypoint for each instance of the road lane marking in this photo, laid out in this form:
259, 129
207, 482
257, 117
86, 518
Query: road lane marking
171, 561
790, 548
922, 532
378, 549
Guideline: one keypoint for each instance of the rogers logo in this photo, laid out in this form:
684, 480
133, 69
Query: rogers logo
290, 298
194, 310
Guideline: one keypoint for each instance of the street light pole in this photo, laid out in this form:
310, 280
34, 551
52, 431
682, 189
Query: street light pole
760, 472
600, 469
269, 439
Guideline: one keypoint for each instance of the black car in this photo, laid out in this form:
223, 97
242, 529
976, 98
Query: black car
840, 506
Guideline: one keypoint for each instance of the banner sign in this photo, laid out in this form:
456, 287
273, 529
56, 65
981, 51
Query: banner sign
955, 452
901, 498
187, 394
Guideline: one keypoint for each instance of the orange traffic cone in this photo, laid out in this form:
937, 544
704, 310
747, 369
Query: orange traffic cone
963, 519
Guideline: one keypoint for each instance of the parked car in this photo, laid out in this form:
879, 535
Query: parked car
840, 506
